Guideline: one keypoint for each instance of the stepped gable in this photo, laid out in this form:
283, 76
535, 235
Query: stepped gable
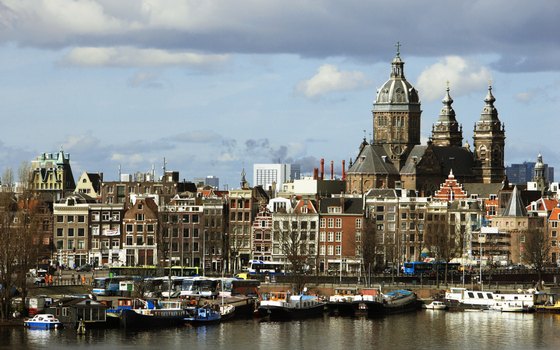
450, 190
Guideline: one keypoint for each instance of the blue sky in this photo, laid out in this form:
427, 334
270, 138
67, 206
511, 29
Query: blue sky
216, 85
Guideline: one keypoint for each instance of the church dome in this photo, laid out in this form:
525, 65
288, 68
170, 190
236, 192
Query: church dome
397, 89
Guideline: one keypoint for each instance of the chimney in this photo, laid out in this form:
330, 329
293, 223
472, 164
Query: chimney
343, 170
332, 169
322, 168
315, 173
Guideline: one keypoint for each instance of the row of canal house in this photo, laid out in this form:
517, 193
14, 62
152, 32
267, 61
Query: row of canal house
219, 230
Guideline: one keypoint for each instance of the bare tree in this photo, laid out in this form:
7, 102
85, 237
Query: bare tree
369, 246
8, 252
536, 250
294, 245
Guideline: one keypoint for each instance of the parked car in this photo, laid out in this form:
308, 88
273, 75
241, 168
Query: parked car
40, 276
84, 268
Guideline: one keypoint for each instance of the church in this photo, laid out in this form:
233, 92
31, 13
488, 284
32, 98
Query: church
395, 158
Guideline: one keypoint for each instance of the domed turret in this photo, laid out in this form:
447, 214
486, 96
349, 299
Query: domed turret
396, 114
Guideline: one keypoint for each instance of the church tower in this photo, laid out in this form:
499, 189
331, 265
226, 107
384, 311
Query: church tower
446, 131
396, 115
489, 143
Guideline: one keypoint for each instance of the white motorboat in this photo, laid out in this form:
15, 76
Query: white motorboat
435, 305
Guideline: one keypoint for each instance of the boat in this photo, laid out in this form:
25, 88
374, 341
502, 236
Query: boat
435, 305
393, 302
155, 314
507, 307
204, 315
344, 302
349, 301
281, 306
227, 312
547, 303
43, 321
464, 299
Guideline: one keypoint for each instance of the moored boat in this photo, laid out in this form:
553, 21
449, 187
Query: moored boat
393, 302
464, 299
283, 306
155, 315
204, 315
43, 321
435, 305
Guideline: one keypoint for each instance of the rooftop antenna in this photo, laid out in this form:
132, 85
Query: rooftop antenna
119, 172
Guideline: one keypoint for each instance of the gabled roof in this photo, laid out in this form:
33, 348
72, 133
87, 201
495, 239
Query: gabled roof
515, 207
350, 205
483, 190
555, 214
373, 160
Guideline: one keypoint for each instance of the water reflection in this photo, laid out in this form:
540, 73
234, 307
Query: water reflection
422, 330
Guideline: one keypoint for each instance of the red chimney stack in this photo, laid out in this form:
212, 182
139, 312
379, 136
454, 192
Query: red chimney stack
343, 170
322, 168
332, 169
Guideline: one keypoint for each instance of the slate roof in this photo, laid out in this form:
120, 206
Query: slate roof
483, 191
515, 207
371, 161
351, 205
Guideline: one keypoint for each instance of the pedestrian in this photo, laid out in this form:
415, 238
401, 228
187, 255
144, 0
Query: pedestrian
73, 278
84, 279
79, 278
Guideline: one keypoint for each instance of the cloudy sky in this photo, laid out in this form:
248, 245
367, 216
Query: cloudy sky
214, 86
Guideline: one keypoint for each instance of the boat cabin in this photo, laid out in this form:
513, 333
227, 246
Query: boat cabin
74, 310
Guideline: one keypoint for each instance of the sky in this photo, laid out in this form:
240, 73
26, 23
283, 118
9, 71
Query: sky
214, 86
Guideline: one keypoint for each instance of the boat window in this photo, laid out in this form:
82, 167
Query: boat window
480, 295
471, 295
490, 296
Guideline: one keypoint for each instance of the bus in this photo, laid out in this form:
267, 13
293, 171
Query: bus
417, 268
259, 267
248, 288
200, 287
154, 271
110, 285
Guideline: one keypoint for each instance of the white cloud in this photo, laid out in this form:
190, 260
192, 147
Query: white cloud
464, 77
126, 56
329, 79
128, 159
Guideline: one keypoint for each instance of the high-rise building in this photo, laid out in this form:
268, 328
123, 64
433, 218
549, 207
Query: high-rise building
271, 175
520, 174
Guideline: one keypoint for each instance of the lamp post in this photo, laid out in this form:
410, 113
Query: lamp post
481, 239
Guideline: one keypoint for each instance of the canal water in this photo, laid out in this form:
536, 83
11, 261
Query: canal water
422, 330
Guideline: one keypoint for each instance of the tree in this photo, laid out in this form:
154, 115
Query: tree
536, 250
294, 245
369, 246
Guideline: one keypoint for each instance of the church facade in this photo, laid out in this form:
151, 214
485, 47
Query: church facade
395, 158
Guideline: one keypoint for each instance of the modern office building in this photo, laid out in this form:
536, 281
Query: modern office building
271, 175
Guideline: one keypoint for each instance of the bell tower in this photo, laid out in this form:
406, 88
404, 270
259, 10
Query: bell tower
489, 143
396, 115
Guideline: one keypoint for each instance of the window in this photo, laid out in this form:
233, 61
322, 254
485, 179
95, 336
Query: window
331, 236
81, 244
59, 232
129, 227
338, 236
358, 223
128, 240
338, 250
330, 250
105, 216
116, 216
81, 218
81, 232
322, 250
322, 235
139, 228
322, 223
150, 227
70, 218
185, 232
338, 223
139, 217
195, 232
70, 233
331, 222
150, 240
139, 240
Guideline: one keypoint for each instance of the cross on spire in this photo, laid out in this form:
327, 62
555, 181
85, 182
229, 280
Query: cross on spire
398, 45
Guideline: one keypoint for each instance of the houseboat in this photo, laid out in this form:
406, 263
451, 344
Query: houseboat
464, 299
283, 306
